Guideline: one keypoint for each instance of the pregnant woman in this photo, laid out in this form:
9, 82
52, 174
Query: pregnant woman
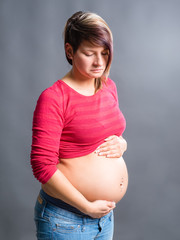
77, 142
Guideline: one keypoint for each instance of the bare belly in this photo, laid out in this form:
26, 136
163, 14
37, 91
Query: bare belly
97, 177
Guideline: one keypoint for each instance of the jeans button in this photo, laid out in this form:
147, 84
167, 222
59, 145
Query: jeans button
83, 229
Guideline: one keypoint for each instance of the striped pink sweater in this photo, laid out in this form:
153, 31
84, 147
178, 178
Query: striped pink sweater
67, 124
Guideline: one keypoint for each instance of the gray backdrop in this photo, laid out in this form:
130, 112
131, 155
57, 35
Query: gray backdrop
146, 71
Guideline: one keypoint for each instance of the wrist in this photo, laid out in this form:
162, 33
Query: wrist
123, 144
85, 207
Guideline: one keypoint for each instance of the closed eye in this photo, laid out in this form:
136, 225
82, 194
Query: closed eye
88, 54
105, 53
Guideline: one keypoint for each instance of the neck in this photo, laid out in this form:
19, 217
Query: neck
80, 80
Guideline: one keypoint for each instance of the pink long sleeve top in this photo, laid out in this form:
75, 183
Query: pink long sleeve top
67, 124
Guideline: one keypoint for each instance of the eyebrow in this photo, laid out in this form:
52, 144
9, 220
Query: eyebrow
91, 50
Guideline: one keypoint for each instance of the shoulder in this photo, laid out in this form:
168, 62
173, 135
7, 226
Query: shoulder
55, 91
111, 87
52, 97
111, 84
50, 105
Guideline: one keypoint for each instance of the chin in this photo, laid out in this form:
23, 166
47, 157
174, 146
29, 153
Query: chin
96, 75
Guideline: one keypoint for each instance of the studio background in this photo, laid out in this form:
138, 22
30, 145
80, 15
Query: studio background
146, 69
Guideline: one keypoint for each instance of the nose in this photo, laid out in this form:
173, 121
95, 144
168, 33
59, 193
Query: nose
98, 61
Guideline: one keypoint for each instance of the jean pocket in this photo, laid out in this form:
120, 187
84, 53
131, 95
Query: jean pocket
43, 228
64, 225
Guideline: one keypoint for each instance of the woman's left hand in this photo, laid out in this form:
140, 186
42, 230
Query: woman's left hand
114, 147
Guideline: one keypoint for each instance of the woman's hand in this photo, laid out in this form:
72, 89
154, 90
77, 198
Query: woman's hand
114, 147
100, 208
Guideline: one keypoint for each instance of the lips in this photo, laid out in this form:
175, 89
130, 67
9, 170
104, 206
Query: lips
97, 70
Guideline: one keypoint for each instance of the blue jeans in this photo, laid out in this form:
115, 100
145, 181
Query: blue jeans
53, 222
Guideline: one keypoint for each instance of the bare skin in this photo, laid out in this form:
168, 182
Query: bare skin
101, 174
96, 177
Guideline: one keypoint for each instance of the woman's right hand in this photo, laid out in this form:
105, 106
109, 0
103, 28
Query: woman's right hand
100, 208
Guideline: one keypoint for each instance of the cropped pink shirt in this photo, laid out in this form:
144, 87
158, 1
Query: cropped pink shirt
67, 124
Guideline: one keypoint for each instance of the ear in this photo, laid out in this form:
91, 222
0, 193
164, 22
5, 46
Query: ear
69, 51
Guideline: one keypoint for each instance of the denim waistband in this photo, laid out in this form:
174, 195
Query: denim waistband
61, 204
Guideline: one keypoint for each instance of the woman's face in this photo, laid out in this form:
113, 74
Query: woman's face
90, 61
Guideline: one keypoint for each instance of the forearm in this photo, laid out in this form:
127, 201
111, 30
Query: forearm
60, 187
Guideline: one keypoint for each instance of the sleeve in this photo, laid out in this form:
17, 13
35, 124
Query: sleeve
46, 133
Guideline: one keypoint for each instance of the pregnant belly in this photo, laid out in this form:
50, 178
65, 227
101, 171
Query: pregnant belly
97, 177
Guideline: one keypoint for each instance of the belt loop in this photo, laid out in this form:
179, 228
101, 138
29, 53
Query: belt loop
43, 203
84, 220
84, 224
